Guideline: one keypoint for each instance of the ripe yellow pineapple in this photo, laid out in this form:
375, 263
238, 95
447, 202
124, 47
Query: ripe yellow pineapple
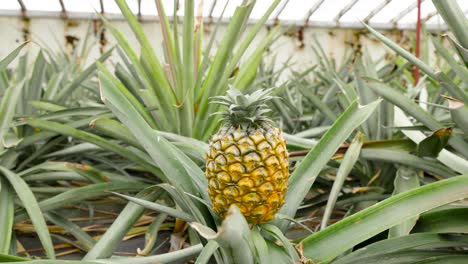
247, 162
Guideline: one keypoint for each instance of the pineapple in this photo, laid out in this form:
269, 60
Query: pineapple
247, 161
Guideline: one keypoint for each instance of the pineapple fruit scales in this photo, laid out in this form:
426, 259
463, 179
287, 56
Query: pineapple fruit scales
247, 162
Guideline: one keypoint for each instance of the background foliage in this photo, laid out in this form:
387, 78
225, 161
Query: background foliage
379, 168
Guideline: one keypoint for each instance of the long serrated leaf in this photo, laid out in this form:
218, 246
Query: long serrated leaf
461, 71
140, 75
459, 112
207, 252
452, 88
92, 138
248, 71
120, 227
278, 253
30, 203
179, 169
82, 193
110, 82
261, 246
306, 173
179, 256
357, 228
85, 240
299, 142
455, 18
404, 158
402, 52
75, 149
233, 235
451, 220
33, 87
11, 56
406, 179
159, 208
68, 113
350, 158
446, 157
6, 216
397, 244
7, 108
187, 66
10, 258
151, 235
163, 88
275, 232
403, 102
462, 52
80, 78
214, 79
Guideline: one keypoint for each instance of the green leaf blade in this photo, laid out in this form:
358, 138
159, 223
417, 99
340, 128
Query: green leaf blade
304, 176
352, 230
30, 203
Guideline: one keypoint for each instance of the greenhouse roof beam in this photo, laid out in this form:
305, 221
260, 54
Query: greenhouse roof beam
23, 8
279, 10
139, 10
429, 16
376, 10
345, 10
396, 15
210, 13
312, 11
101, 4
64, 10
404, 12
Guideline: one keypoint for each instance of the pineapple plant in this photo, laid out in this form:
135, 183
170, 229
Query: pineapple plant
247, 161
184, 185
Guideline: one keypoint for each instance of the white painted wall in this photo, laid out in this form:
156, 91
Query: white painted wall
52, 32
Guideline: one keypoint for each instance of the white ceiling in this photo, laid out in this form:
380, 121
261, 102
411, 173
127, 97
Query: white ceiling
321, 13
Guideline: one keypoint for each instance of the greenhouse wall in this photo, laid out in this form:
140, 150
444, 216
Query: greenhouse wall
297, 44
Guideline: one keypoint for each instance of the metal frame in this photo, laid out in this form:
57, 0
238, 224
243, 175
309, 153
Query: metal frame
345, 10
306, 21
64, 10
406, 11
212, 7
312, 11
140, 17
279, 10
101, 5
23, 8
376, 10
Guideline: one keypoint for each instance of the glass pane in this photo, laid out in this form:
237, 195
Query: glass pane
328, 10
360, 10
426, 8
88, 6
260, 8
9, 5
148, 7
390, 11
110, 7
229, 9
42, 5
296, 10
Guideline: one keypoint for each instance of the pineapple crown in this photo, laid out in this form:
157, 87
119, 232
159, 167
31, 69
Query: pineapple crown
244, 109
